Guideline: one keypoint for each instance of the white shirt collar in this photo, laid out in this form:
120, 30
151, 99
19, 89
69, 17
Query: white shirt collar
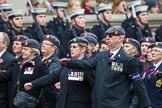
157, 64
114, 52
1, 53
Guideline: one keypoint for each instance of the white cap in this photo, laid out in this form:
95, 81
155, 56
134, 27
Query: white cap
6, 6
39, 10
134, 3
141, 9
15, 13
105, 8
75, 13
60, 4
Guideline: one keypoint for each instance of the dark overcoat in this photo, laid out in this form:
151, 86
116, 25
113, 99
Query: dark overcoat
113, 79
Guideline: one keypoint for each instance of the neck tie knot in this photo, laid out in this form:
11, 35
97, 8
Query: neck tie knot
110, 55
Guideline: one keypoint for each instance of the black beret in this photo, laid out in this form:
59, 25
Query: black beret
92, 38
115, 30
20, 38
157, 44
147, 39
31, 43
133, 42
79, 40
52, 39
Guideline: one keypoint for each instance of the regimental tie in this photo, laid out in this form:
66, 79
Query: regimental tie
110, 55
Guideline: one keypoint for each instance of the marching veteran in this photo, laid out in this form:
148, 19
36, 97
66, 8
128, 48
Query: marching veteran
115, 70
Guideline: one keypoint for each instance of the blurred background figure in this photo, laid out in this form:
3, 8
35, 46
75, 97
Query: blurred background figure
3, 2
103, 45
129, 21
153, 6
88, 5
92, 48
78, 27
119, 7
105, 14
140, 28
47, 4
39, 26
4, 8
34, 4
58, 25
73, 5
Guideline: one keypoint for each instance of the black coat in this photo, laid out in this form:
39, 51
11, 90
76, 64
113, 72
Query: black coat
75, 93
6, 61
37, 31
67, 36
158, 35
72, 93
132, 32
112, 81
127, 23
99, 30
154, 85
40, 69
51, 93
58, 27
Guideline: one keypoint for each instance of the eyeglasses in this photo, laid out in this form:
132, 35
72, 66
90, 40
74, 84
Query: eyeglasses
73, 46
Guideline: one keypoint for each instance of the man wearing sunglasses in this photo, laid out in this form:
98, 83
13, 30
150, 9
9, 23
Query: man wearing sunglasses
114, 73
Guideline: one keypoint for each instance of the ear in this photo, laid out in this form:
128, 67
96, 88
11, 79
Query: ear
10, 20
73, 22
137, 18
83, 49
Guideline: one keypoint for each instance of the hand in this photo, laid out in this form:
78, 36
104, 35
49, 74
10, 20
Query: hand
57, 85
65, 61
28, 86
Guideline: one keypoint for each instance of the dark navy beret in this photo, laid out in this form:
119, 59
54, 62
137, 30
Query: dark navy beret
157, 44
31, 43
52, 39
79, 40
147, 39
133, 42
92, 38
20, 38
115, 30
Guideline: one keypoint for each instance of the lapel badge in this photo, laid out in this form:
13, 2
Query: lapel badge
1, 61
49, 60
158, 83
